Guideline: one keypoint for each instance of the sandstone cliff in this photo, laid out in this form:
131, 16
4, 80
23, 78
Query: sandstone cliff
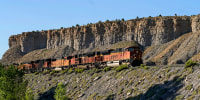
145, 31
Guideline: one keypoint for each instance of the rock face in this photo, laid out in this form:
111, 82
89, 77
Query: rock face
145, 31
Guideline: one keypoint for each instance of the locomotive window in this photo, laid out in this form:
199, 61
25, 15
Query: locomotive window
130, 49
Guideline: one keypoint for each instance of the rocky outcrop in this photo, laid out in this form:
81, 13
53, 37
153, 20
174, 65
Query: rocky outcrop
145, 31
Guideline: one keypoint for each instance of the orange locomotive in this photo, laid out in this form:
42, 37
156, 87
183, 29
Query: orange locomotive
112, 57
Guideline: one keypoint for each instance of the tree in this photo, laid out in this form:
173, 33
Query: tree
122, 19
60, 92
77, 25
137, 17
12, 86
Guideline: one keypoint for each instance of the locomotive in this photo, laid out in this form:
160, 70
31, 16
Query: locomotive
111, 58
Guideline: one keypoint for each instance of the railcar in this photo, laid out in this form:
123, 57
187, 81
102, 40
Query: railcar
111, 58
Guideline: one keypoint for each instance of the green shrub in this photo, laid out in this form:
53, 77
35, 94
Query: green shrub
99, 22
106, 69
198, 76
29, 94
188, 87
179, 97
143, 66
79, 70
46, 72
95, 70
121, 67
64, 71
60, 92
53, 72
107, 21
36, 73
110, 97
123, 19
189, 63
70, 70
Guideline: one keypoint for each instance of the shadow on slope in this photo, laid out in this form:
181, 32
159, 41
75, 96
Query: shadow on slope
166, 91
48, 95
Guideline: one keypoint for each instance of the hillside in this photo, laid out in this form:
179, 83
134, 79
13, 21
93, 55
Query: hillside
146, 32
177, 51
137, 83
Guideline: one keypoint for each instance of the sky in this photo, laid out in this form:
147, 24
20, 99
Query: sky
17, 16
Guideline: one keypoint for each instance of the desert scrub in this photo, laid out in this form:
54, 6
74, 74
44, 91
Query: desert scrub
46, 72
79, 70
189, 63
36, 73
60, 92
53, 72
143, 66
91, 97
120, 91
70, 70
106, 69
64, 71
179, 97
121, 67
188, 87
110, 97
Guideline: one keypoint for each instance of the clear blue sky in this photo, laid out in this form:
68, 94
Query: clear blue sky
17, 16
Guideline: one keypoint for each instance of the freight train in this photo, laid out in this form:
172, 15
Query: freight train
111, 58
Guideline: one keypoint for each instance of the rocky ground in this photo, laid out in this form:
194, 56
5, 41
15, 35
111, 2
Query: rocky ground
135, 83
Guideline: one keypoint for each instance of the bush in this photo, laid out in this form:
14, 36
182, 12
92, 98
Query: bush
189, 63
70, 70
188, 87
53, 72
99, 22
79, 70
121, 67
64, 71
29, 94
60, 92
12, 85
122, 19
106, 69
77, 25
46, 72
107, 21
144, 67
36, 73
95, 70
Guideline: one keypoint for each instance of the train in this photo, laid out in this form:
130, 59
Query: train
106, 58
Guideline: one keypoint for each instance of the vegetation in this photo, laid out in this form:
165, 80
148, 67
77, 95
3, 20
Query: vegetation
188, 87
123, 19
107, 21
121, 67
79, 70
189, 63
77, 25
12, 86
99, 22
29, 94
144, 67
106, 69
60, 92
53, 72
